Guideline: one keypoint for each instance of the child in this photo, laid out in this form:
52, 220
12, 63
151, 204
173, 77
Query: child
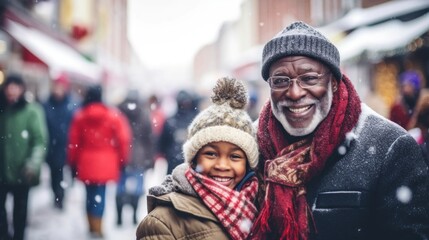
211, 195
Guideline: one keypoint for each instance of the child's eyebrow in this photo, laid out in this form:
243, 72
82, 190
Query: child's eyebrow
237, 149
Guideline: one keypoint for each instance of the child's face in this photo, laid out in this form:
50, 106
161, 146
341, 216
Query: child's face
223, 162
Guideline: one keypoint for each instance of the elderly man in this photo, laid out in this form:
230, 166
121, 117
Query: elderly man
332, 168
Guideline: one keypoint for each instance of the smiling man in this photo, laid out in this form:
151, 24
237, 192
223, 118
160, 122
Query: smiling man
332, 168
304, 105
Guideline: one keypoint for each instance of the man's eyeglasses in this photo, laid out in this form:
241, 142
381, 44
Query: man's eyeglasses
306, 80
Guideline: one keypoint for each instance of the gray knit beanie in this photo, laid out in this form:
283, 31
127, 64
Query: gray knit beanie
225, 120
300, 39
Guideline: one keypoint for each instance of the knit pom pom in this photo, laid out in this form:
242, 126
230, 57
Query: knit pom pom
230, 90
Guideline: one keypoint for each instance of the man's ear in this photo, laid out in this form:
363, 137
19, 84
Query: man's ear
334, 83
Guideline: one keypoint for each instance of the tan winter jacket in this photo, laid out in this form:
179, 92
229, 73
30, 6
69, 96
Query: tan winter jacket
179, 216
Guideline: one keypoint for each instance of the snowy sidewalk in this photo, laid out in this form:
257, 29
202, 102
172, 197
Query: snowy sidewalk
47, 223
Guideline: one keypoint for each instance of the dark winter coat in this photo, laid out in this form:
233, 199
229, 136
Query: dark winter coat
178, 214
99, 143
376, 189
173, 136
59, 114
141, 156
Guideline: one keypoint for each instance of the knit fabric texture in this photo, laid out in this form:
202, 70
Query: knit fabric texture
225, 120
174, 182
234, 209
300, 39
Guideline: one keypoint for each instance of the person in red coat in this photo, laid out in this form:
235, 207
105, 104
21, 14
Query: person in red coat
99, 146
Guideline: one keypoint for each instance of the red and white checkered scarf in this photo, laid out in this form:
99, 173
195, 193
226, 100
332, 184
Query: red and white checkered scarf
235, 210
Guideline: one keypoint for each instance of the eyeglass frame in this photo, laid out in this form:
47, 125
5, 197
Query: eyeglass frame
296, 79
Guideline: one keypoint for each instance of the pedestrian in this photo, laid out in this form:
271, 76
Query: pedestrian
59, 109
157, 116
419, 124
173, 134
211, 195
99, 146
404, 106
253, 106
130, 187
331, 167
23, 138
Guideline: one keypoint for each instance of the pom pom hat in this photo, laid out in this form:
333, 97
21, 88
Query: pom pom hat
300, 39
225, 120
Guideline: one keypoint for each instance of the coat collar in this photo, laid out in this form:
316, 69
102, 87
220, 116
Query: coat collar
183, 203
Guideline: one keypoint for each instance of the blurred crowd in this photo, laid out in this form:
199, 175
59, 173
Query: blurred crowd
83, 135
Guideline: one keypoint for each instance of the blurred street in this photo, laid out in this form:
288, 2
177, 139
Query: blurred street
110, 88
48, 223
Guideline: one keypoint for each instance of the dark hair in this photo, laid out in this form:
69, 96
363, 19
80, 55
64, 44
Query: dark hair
15, 79
93, 94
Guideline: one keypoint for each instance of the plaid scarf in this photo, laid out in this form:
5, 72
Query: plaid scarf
235, 210
289, 166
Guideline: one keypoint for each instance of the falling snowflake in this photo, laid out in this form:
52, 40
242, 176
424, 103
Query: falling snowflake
350, 136
131, 106
24, 134
404, 194
342, 150
371, 150
153, 106
245, 225
64, 184
98, 198
199, 168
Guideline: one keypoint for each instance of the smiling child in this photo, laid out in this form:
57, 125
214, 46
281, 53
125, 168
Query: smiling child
211, 195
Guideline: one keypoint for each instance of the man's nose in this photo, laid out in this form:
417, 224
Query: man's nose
295, 92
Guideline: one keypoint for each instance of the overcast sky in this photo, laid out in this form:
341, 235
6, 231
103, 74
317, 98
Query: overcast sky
170, 32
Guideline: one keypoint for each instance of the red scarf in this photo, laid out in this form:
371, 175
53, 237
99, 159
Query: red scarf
235, 210
289, 166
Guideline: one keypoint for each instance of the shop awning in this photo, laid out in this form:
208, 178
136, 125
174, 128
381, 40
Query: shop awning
385, 39
57, 55
380, 13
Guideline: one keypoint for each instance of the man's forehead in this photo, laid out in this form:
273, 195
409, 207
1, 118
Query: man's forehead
299, 62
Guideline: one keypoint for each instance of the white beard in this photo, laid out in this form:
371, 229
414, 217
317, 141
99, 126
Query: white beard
323, 106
